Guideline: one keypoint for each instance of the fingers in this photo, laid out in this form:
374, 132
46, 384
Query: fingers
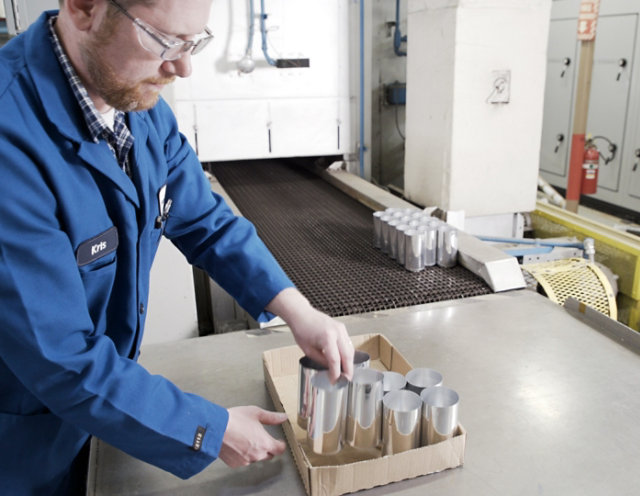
277, 448
338, 353
335, 351
246, 440
271, 418
324, 340
345, 347
332, 357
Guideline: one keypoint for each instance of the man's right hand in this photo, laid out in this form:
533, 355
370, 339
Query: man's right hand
246, 440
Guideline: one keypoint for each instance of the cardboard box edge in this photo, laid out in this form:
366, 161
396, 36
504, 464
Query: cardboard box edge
316, 480
303, 468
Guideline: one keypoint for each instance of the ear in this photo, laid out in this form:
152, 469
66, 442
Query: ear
82, 12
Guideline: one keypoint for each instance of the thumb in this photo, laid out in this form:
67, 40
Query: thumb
271, 418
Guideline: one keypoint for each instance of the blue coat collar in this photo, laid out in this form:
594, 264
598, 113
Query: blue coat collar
63, 111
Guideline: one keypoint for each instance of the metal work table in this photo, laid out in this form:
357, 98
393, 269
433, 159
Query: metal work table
550, 404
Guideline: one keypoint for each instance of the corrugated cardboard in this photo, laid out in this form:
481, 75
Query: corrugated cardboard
352, 470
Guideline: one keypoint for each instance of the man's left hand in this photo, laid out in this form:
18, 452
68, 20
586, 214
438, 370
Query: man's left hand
321, 337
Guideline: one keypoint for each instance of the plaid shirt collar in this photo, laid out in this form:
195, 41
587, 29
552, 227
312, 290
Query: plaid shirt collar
120, 139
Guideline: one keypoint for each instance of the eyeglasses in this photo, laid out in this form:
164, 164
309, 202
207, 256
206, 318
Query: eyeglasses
164, 46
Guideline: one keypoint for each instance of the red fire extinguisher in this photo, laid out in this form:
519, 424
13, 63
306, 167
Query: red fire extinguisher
589, 183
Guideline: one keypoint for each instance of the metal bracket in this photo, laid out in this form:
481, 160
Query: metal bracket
611, 328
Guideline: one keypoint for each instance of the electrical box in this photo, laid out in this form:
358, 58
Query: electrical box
395, 93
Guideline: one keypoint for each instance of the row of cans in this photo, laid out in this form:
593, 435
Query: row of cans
385, 411
415, 239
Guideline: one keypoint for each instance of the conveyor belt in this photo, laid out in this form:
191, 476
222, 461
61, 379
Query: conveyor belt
323, 240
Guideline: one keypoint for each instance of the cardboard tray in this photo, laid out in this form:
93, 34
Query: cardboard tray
352, 470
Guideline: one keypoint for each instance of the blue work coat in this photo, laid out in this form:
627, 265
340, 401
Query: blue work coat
77, 239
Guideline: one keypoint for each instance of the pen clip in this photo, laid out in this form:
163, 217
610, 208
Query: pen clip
167, 207
164, 214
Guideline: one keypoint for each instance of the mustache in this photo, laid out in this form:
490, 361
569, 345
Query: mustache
162, 81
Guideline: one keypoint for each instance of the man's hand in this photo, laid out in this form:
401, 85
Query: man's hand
322, 338
246, 441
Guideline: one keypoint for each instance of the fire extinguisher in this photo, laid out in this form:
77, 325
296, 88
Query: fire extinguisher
589, 183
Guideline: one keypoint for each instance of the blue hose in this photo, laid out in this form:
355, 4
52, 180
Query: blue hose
263, 31
528, 241
362, 148
397, 35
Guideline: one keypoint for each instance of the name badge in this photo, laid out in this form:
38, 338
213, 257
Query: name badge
97, 247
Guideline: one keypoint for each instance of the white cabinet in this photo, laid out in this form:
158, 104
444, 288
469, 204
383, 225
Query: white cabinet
271, 112
609, 102
559, 91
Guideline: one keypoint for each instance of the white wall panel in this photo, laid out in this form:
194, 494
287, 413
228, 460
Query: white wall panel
236, 129
321, 131
302, 106
462, 151
228, 130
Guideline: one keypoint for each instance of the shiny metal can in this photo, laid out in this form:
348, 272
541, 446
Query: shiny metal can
364, 413
377, 229
325, 428
414, 246
430, 252
401, 421
384, 232
307, 368
401, 229
447, 246
392, 381
361, 359
392, 226
439, 414
422, 378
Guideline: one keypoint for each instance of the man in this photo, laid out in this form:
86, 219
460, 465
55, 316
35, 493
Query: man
94, 172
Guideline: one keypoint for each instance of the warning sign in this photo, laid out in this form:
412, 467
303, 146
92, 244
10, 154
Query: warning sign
587, 19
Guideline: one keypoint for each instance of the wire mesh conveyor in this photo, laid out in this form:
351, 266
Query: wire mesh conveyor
323, 240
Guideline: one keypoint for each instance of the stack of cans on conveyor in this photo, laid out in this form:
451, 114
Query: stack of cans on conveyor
386, 412
415, 239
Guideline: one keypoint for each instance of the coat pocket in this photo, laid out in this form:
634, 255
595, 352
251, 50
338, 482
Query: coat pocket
37, 452
98, 286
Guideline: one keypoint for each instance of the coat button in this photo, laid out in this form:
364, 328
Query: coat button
141, 308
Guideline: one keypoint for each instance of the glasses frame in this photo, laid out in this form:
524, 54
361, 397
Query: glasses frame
168, 44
